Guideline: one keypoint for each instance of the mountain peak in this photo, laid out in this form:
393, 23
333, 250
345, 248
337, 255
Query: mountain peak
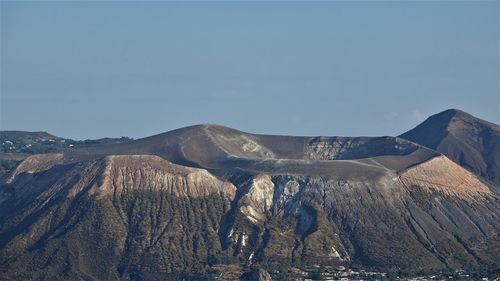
469, 141
454, 111
450, 116
455, 114
206, 126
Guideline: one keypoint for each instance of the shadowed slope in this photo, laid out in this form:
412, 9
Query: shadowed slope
469, 141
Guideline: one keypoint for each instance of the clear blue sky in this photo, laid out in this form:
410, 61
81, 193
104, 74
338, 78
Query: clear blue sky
94, 69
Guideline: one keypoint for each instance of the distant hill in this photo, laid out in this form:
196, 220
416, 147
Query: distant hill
42, 142
467, 140
17, 145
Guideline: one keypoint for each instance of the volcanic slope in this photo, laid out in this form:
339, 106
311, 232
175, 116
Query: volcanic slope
191, 201
216, 147
469, 141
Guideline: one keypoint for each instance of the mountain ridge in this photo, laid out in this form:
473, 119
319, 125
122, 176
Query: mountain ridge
210, 199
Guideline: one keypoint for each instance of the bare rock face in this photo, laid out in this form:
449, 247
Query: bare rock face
442, 175
337, 148
259, 198
284, 192
36, 163
152, 173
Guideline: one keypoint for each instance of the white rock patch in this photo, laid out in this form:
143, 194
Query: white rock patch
259, 198
335, 254
244, 238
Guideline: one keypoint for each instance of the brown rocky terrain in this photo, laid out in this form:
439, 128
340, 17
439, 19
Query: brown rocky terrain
207, 201
469, 141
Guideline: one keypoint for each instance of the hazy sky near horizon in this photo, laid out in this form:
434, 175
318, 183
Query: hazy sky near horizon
94, 69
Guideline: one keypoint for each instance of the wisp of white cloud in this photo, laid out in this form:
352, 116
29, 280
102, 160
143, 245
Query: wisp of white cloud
417, 115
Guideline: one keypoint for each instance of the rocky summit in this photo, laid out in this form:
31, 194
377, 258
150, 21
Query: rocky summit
209, 202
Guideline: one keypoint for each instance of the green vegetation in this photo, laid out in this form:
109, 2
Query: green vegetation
7, 164
222, 259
